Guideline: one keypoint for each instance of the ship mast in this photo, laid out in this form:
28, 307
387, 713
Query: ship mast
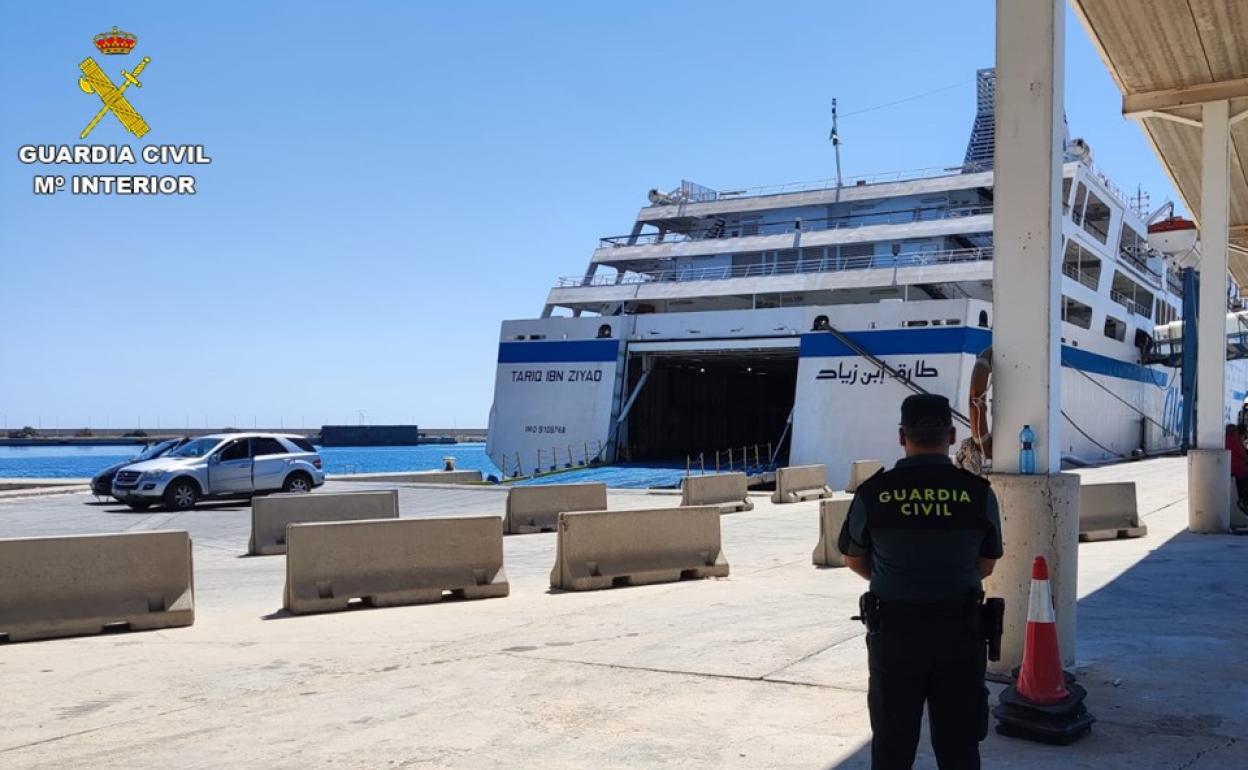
835, 138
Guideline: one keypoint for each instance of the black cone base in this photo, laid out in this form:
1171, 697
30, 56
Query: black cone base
1060, 723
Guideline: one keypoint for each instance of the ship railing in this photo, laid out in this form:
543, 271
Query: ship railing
1140, 263
865, 219
815, 185
1128, 303
767, 269
1087, 279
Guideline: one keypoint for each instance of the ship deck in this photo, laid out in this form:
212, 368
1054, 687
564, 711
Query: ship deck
763, 669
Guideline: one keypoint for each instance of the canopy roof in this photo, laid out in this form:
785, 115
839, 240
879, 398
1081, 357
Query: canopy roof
1168, 57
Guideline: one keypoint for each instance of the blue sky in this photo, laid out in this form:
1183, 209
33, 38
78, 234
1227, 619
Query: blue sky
391, 179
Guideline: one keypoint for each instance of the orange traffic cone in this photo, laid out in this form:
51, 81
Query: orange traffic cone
1041, 705
1041, 679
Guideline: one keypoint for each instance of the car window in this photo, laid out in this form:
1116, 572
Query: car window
267, 446
235, 451
303, 444
197, 448
155, 450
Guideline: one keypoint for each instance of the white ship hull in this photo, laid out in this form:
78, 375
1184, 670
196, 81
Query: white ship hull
562, 398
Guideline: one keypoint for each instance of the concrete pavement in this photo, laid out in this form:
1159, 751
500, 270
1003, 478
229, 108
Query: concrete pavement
763, 669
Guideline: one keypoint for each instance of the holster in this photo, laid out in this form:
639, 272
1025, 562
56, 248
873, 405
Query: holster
992, 619
869, 611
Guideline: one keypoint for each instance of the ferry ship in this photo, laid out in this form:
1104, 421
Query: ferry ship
797, 317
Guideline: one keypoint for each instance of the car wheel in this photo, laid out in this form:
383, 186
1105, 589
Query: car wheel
139, 506
297, 482
181, 495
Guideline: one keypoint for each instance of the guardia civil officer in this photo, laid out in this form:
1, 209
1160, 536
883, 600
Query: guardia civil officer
925, 533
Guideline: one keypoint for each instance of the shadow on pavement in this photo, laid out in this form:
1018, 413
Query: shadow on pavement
1160, 652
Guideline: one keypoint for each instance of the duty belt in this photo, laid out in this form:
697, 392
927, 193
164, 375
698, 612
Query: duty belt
989, 613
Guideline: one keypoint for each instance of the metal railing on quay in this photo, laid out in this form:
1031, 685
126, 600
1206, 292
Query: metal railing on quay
557, 458
825, 265
745, 459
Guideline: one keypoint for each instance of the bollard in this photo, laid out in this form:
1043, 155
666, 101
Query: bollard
448, 463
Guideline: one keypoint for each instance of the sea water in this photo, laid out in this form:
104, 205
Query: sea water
84, 461
58, 461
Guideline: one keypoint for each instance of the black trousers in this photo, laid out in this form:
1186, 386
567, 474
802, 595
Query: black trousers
935, 656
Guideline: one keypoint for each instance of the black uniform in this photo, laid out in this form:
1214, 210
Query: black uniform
923, 525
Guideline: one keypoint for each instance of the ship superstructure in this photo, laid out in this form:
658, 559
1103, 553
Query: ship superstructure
798, 316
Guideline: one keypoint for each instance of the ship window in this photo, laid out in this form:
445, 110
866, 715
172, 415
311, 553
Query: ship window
1115, 329
916, 323
749, 226
1076, 313
1081, 195
1081, 264
1096, 218
1165, 313
1066, 195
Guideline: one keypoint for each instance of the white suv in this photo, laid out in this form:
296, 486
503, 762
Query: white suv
221, 466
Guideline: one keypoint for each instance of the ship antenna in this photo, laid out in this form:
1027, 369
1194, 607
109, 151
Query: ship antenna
835, 138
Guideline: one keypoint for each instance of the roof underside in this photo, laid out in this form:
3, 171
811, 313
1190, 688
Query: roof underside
1152, 46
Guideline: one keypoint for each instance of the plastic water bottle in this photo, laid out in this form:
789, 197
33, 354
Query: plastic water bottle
1027, 450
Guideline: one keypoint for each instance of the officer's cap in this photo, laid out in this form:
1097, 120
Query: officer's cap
926, 410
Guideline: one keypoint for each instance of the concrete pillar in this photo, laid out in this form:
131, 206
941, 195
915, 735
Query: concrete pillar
1209, 506
1027, 232
1040, 513
1208, 494
1039, 517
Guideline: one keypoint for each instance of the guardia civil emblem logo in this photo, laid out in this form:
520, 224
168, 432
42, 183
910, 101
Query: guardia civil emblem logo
95, 81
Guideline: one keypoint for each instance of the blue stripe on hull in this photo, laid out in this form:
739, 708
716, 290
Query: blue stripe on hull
964, 339
889, 342
560, 351
880, 342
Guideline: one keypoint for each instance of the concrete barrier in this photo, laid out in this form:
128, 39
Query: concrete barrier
537, 508
415, 477
860, 471
600, 549
832, 515
271, 514
801, 482
1109, 512
392, 562
85, 584
728, 491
